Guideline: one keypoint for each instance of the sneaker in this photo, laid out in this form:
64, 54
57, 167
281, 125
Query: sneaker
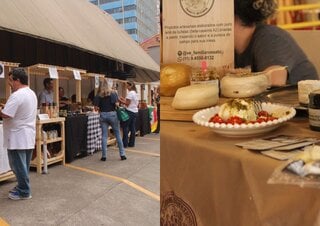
123, 157
16, 196
13, 190
103, 159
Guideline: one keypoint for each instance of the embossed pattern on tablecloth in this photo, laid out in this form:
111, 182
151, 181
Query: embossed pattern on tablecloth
94, 135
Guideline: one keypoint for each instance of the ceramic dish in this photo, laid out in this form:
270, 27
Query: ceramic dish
244, 130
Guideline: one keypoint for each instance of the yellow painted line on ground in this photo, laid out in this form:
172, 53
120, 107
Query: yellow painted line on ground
143, 152
131, 184
140, 152
3, 222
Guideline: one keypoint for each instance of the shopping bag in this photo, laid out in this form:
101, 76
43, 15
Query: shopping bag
122, 114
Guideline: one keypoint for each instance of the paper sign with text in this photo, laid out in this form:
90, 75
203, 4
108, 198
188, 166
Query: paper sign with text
96, 81
1, 71
53, 72
197, 31
76, 75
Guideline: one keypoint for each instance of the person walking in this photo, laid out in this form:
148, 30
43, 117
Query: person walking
131, 103
19, 126
106, 101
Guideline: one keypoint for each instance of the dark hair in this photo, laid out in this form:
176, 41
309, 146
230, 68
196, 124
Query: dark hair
47, 81
253, 12
133, 86
19, 73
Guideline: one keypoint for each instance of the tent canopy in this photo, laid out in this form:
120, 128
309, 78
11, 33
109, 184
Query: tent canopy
72, 33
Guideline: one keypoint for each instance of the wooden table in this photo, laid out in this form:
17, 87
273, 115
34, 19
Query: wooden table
207, 180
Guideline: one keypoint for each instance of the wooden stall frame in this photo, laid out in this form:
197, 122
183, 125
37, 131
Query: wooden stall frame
43, 70
8, 66
38, 161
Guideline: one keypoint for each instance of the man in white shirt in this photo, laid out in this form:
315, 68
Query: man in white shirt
19, 122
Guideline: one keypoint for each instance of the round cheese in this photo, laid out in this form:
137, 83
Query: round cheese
172, 77
247, 85
305, 87
196, 96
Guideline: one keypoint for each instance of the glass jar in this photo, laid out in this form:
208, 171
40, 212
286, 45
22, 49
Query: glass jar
314, 110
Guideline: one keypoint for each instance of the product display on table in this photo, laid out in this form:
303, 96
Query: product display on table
302, 169
240, 118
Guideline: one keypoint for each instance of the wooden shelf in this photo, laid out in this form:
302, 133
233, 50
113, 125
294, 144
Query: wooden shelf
6, 176
38, 160
51, 140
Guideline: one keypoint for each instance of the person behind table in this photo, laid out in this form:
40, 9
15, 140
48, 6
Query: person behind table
157, 101
131, 103
19, 122
106, 101
46, 96
63, 100
262, 47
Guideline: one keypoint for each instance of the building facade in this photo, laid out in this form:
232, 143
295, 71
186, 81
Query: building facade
138, 17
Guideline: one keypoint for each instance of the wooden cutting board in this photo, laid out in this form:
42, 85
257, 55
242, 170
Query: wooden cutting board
167, 112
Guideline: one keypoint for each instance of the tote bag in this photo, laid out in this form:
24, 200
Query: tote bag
122, 114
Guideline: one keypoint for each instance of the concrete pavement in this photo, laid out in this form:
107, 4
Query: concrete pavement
91, 192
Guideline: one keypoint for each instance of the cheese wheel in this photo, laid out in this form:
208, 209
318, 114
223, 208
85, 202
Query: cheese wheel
236, 86
305, 87
172, 77
196, 96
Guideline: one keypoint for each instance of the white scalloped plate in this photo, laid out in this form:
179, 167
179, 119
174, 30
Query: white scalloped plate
244, 130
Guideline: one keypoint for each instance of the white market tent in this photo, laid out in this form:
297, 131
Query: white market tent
72, 33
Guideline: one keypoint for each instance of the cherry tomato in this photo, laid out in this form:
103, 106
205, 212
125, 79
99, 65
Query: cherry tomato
235, 120
263, 113
216, 119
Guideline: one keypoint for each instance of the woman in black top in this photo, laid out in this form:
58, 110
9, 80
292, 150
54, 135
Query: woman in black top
106, 101
263, 47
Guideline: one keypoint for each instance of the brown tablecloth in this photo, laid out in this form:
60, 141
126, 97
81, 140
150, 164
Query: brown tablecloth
207, 180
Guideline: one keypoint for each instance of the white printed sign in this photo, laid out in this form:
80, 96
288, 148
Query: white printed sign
53, 73
96, 81
110, 82
197, 31
1, 71
76, 75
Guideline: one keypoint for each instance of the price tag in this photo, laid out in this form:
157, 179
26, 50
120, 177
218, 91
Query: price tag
43, 117
1, 71
53, 73
76, 75
110, 83
96, 81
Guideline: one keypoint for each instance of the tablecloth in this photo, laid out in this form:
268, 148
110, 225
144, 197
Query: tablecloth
76, 136
94, 134
207, 180
4, 163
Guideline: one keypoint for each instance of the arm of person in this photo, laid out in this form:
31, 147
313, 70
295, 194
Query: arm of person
124, 101
2, 115
277, 75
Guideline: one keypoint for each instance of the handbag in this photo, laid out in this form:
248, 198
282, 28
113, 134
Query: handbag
122, 114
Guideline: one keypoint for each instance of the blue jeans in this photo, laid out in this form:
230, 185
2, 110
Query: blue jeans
19, 161
110, 119
129, 126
